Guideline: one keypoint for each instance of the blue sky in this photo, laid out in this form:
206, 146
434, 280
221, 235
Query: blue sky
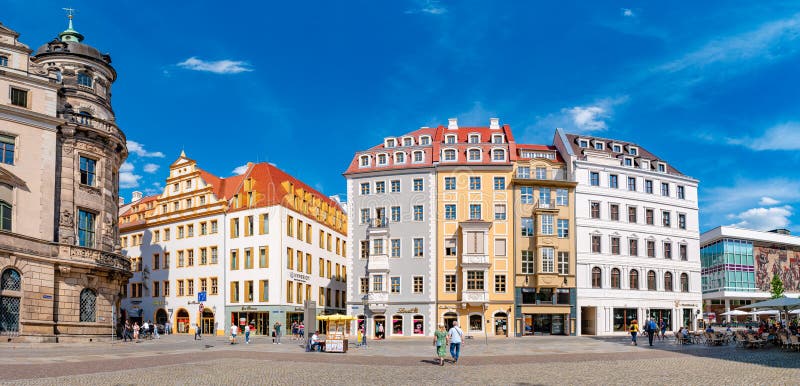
712, 87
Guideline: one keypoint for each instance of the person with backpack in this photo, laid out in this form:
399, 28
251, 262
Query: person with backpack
634, 329
650, 328
662, 325
455, 336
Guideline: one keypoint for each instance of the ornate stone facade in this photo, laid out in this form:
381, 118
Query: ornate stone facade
61, 271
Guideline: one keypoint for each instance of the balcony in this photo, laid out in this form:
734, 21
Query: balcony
560, 177
545, 206
378, 226
475, 260
473, 297
376, 301
378, 263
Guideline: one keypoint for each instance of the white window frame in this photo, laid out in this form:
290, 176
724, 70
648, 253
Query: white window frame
378, 158
469, 156
414, 156
474, 135
447, 139
444, 155
492, 152
498, 136
360, 161
404, 139
386, 143
400, 153
424, 140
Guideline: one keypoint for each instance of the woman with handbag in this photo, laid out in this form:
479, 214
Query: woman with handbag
439, 340
634, 329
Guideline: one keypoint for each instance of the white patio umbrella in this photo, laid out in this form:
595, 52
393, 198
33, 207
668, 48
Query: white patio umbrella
784, 304
767, 312
735, 313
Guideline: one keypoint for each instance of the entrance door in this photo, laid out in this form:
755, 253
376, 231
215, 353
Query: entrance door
449, 318
161, 317
380, 326
528, 320
542, 324
207, 322
501, 324
182, 321
557, 325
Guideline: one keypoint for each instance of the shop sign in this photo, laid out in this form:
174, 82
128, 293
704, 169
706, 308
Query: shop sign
334, 345
414, 310
159, 303
47, 296
299, 277
248, 308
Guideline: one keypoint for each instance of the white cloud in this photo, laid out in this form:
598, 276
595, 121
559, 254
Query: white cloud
127, 178
744, 192
138, 149
150, 168
240, 170
588, 118
430, 7
225, 66
627, 12
785, 136
764, 218
768, 201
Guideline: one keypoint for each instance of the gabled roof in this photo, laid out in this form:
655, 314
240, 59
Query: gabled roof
272, 186
642, 152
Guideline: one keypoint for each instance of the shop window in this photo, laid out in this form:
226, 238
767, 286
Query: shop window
476, 322
397, 325
419, 325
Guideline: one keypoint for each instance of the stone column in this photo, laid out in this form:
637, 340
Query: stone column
727, 309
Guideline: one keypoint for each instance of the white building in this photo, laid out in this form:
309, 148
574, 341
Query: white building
637, 236
257, 245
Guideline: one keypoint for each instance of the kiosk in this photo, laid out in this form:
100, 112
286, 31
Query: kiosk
336, 337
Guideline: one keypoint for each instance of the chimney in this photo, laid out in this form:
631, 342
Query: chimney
136, 196
121, 201
452, 124
494, 123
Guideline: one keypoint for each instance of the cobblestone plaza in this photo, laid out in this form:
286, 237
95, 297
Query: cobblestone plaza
540, 360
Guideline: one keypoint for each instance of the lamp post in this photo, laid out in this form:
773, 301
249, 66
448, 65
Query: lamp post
365, 301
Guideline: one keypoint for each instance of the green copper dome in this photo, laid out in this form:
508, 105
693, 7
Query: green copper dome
70, 35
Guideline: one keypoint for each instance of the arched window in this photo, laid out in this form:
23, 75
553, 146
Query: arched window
84, 79
668, 281
615, 279
634, 279
596, 280
651, 280
476, 322
474, 155
364, 160
498, 155
88, 305
684, 282
449, 155
10, 285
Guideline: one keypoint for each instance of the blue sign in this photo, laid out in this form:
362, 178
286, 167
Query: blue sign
201, 296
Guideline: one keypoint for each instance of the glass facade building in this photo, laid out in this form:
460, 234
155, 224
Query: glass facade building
728, 265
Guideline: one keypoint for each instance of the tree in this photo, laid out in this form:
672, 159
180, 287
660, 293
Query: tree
777, 287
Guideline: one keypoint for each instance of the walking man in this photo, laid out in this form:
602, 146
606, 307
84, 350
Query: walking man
246, 334
197, 333
651, 330
277, 333
455, 336
234, 330
167, 328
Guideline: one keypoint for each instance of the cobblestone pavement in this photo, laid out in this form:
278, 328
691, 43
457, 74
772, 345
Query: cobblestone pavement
539, 360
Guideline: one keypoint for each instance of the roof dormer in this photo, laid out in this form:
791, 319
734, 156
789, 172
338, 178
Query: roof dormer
450, 139
661, 167
583, 143
408, 141
389, 142
598, 145
474, 138
633, 150
616, 147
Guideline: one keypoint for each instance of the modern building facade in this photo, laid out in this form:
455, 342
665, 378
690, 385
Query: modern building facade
738, 266
637, 236
61, 273
209, 252
391, 194
544, 257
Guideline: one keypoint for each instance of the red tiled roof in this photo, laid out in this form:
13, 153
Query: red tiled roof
521, 146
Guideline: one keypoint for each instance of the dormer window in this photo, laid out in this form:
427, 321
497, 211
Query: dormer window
474, 138
474, 154
498, 155
583, 143
364, 161
3, 61
633, 151
645, 165
662, 167
449, 155
450, 139
381, 159
616, 148
84, 79
390, 143
408, 141
425, 140
419, 156
399, 158
628, 161
598, 146
497, 138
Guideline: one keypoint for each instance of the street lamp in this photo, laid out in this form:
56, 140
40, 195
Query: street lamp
365, 302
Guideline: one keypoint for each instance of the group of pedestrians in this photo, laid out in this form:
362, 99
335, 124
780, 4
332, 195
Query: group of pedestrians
298, 330
133, 331
651, 328
276, 333
455, 338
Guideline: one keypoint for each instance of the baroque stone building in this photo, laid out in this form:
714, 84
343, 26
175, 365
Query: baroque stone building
61, 272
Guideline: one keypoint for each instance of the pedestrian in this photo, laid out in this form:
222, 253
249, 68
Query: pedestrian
136, 331
277, 333
126, 332
154, 327
246, 334
197, 332
234, 329
167, 328
379, 330
651, 329
663, 327
301, 330
439, 341
455, 336
145, 329
634, 329
294, 330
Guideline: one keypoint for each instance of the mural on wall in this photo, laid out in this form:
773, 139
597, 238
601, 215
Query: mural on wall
785, 263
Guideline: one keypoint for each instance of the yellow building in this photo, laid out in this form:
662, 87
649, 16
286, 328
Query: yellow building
543, 195
474, 233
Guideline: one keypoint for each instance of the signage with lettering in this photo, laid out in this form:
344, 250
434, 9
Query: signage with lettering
334, 345
248, 308
299, 277
414, 310
47, 296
